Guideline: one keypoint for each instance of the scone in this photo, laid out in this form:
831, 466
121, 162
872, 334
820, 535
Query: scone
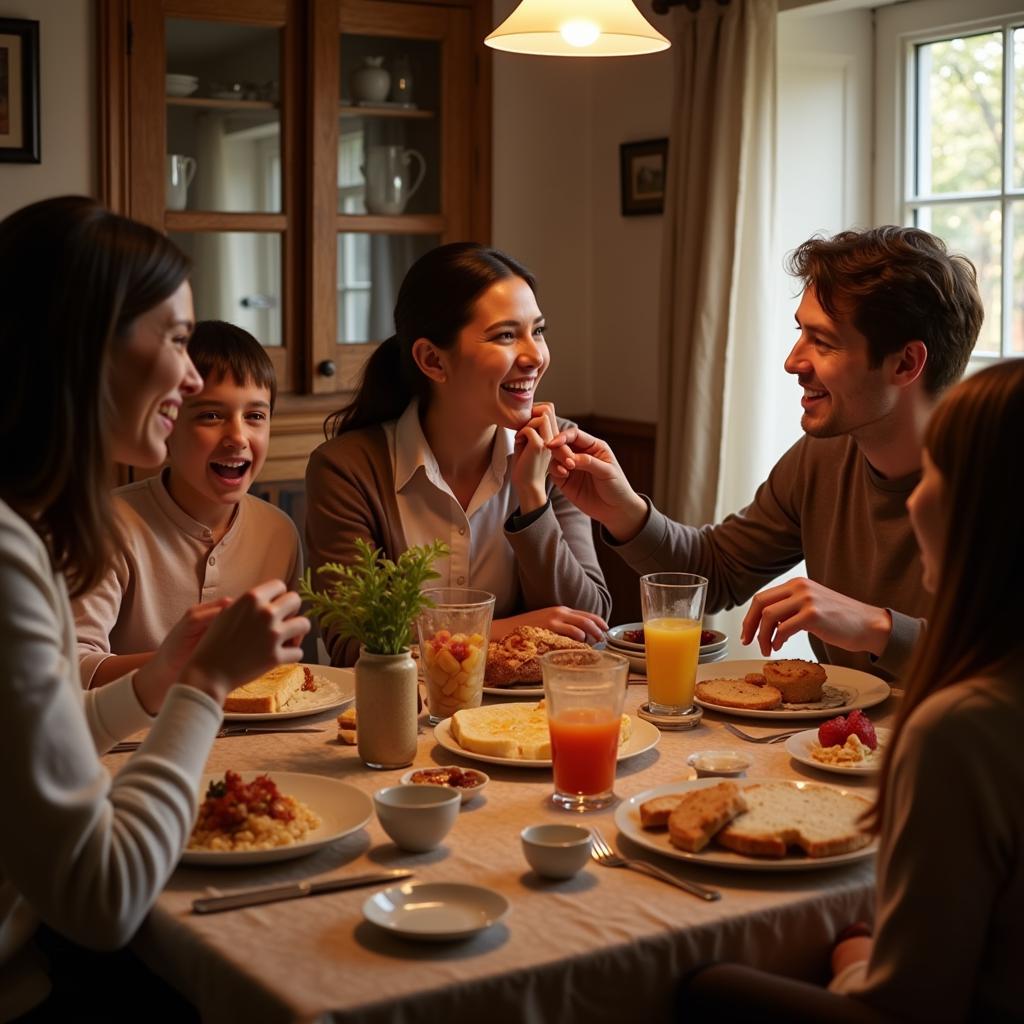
737, 693
799, 682
516, 658
700, 813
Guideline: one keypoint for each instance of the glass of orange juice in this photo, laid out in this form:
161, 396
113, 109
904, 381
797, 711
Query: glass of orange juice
584, 690
673, 606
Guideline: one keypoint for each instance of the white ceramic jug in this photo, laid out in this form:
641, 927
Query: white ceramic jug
180, 172
388, 188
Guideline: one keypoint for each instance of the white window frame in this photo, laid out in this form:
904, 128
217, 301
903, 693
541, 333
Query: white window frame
898, 31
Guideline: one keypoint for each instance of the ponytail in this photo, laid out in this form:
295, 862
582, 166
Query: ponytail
390, 381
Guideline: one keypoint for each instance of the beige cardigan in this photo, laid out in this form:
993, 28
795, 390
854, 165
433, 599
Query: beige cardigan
350, 491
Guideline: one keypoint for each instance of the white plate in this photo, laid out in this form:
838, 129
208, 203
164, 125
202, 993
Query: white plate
341, 808
337, 690
627, 818
528, 690
644, 737
435, 911
799, 748
863, 690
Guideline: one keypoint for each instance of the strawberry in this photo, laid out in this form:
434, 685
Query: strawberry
834, 732
859, 724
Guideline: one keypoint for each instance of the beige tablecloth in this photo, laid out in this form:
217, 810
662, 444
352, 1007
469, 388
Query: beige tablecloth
608, 944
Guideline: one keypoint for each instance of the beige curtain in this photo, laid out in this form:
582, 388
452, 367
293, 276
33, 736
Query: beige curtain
717, 253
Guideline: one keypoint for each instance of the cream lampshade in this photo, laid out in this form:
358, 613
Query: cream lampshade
577, 28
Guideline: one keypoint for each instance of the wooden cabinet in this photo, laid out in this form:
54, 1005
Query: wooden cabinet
304, 152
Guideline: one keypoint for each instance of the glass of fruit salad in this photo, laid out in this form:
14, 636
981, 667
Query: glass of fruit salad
453, 638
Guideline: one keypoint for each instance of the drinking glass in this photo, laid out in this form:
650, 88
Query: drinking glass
584, 690
453, 637
673, 606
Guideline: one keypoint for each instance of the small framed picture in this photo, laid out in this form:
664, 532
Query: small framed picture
643, 166
19, 91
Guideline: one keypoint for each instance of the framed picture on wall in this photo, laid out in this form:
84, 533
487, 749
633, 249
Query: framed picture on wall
642, 167
19, 91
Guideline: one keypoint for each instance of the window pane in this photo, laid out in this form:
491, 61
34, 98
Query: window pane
236, 276
370, 270
974, 230
959, 115
223, 121
1015, 342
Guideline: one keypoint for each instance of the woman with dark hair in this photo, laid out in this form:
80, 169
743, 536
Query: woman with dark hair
445, 440
97, 313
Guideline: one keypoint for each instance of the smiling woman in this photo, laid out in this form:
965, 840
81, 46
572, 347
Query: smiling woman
446, 440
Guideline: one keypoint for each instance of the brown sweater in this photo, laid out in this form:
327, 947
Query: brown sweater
824, 504
350, 489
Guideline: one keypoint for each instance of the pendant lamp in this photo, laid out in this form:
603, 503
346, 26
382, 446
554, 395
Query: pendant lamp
577, 28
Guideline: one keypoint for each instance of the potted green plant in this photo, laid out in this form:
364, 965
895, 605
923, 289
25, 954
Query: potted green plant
376, 600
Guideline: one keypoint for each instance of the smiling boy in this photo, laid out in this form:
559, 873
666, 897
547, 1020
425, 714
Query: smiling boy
193, 534
887, 322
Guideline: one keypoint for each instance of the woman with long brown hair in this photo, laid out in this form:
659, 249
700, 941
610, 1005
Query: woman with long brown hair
96, 317
445, 439
949, 936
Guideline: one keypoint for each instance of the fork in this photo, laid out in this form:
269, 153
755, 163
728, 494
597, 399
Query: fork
774, 737
603, 854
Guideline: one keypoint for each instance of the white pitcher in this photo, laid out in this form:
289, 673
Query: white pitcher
387, 178
180, 172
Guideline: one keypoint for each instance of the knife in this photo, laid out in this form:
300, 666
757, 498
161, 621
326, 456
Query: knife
275, 893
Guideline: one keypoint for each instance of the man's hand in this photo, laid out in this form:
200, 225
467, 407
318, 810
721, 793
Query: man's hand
570, 622
799, 604
586, 471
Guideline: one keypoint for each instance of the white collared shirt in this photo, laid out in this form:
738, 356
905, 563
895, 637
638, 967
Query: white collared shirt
481, 556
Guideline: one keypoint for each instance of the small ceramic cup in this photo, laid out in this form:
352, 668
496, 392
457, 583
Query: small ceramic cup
726, 763
556, 851
417, 817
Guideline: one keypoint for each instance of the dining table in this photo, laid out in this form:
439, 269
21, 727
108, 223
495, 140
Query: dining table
606, 944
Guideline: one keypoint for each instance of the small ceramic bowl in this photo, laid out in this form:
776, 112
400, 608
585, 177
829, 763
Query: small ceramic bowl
417, 817
556, 851
439, 777
718, 762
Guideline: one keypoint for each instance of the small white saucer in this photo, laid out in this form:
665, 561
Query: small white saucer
688, 721
435, 911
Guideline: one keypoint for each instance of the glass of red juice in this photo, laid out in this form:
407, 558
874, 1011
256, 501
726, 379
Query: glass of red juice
584, 691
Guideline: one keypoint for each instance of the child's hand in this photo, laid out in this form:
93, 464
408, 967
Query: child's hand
163, 670
258, 631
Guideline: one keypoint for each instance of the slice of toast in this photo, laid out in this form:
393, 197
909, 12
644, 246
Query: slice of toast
700, 813
737, 693
819, 820
799, 682
267, 694
654, 813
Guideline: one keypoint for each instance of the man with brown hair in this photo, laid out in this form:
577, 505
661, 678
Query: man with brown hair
887, 321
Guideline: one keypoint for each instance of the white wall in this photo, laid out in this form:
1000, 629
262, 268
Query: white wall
68, 116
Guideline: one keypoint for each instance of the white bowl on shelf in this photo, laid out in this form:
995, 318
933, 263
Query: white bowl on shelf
181, 85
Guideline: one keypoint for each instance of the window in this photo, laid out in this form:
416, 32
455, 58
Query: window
965, 166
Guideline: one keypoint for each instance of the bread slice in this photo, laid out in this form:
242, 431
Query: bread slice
654, 813
800, 682
700, 813
819, 820
269, 693
516, 731
737, 693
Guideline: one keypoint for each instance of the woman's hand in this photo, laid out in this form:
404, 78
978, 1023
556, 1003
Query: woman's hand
532, 458
261, 629
570, 622
164, 668
588, 474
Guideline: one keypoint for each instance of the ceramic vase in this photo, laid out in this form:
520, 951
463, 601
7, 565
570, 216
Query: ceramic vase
372, 82
386, 709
